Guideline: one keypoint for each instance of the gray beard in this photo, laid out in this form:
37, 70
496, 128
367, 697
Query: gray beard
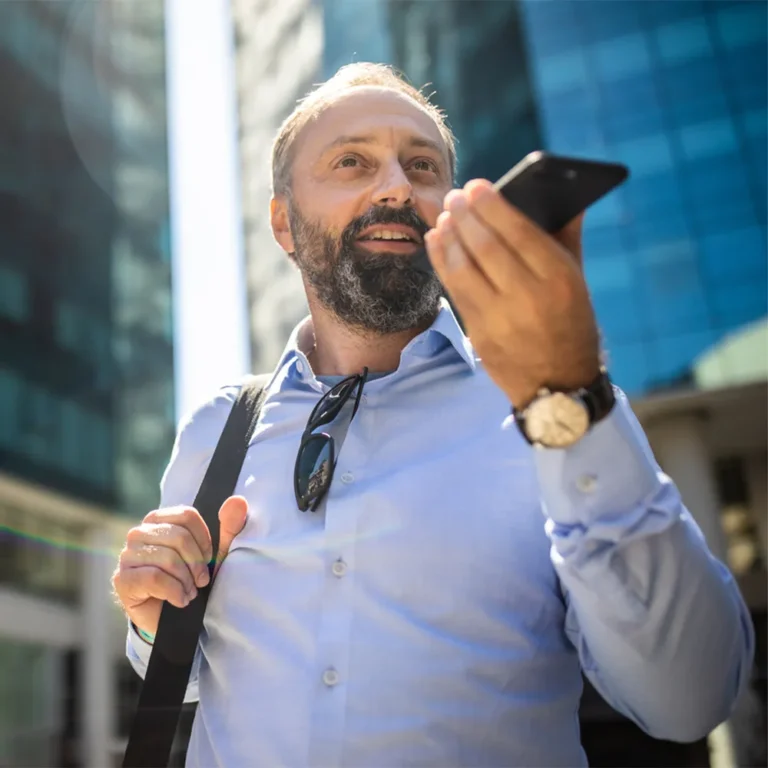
380, 293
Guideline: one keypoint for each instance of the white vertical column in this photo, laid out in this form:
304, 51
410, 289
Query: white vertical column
97, 669
209, 299
757, 483
679, 444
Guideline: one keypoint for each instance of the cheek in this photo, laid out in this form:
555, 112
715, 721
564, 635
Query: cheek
335, 209
430, 206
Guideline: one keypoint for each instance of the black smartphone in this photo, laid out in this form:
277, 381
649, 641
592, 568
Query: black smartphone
552, 190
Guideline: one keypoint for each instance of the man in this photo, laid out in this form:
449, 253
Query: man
432, 597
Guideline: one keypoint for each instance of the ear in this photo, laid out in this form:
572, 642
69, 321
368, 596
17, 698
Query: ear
281, 227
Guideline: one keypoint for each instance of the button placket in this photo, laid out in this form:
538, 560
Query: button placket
333, 640
587, 483
331, 677
339, 568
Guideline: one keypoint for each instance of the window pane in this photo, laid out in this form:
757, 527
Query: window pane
742, 24
740, 305
734, 256
647, 155
621, 57
14, 294
685, 39
715, 137
10, 394
608, 273
562, 72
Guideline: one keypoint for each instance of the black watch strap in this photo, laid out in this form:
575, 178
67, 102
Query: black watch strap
598, 397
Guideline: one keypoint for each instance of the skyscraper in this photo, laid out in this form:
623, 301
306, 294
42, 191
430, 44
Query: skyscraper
676, 259
86, 354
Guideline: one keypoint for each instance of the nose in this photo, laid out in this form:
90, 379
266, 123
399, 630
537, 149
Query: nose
394, 188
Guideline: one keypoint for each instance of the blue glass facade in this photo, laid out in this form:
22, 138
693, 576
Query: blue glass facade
676, 89
469, 53
86, 353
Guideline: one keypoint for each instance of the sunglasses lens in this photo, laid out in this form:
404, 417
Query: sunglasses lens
314, 467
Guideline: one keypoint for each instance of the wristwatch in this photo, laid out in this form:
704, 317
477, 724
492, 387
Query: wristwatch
560, 419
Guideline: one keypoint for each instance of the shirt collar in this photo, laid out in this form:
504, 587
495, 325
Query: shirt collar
445, 328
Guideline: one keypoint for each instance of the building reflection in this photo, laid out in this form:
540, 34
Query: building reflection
86, 355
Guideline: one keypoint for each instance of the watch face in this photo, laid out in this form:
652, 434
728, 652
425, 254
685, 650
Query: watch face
556, 421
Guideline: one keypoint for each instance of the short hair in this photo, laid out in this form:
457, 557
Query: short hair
349, 77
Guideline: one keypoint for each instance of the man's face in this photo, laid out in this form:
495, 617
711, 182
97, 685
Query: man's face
369, 178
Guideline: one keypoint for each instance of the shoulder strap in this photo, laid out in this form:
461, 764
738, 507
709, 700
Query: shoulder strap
170, 664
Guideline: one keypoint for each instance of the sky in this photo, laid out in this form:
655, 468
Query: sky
210, 318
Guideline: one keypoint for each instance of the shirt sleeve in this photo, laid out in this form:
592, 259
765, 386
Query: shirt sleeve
659, 623
196, 440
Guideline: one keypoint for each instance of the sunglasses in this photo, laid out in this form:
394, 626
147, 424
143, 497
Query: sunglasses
316, 459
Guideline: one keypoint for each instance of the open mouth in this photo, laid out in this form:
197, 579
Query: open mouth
391, 235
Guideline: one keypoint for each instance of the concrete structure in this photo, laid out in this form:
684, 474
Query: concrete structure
279, 57
75, 544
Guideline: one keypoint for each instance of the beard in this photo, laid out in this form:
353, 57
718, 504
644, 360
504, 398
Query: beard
381, 292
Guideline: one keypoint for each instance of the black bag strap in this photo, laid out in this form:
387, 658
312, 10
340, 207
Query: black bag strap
162, 694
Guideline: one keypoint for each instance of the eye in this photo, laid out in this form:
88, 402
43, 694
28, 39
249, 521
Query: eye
424, 164
349, 161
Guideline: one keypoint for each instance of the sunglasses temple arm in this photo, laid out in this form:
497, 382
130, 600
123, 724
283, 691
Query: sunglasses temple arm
363, 378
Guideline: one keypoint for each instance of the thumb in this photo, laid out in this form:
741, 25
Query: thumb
232, 516
570, 237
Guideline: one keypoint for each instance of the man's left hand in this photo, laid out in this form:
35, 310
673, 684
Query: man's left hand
520, 292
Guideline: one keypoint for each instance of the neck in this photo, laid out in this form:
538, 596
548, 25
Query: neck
343, 351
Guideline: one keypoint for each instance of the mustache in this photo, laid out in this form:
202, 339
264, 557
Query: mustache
384, 215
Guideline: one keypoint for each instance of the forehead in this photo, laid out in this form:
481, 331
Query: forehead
386, 115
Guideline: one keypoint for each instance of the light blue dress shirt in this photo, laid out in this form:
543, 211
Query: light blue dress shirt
439, 608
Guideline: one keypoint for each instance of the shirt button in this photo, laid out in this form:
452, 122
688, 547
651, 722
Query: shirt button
330, 677
587, 483
339, 568
347, 478
299, 366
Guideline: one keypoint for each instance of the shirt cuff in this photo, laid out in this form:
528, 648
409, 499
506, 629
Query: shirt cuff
610, 471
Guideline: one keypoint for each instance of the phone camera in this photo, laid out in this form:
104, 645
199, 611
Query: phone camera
570, 174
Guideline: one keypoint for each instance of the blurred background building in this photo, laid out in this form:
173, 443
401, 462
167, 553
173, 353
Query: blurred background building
86, 358
675, 259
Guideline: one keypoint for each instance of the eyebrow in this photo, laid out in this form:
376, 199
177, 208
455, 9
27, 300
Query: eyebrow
413, 141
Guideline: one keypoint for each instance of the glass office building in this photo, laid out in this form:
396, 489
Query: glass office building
86, 354
469, 54
677, 90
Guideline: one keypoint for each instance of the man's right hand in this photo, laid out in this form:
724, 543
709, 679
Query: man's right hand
167, 556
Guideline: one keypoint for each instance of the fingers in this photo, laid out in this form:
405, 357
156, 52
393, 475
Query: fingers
136, 585
570, 237
151, 539
532, 245
457, 271
189, 518
162, 559
232, 517
497, 260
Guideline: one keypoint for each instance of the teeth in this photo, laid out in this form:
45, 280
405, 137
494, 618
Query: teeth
388, 235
